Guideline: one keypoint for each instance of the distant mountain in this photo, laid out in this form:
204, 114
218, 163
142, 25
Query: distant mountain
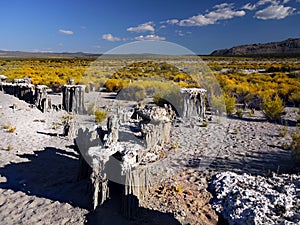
20, 54
290, 46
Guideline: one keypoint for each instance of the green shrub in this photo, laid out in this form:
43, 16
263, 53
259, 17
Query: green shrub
283, 131
239, 113
295, 147
115, 85
251, 112
229, 103
218, 103
100, 115
90, 109
272, 108
169, 94
133, 92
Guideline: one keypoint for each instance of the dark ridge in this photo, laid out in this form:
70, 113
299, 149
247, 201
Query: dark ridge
287, 48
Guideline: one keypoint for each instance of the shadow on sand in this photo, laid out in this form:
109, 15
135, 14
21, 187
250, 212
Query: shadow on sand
51, 174
254, 162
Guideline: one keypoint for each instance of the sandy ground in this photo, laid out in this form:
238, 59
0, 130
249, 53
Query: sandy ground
38, 168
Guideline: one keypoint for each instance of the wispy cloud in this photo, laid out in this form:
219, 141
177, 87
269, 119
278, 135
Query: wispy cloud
145, 27
151, 37
67, 32
172, 21
249, 6
274, 12
96, 46
110, 37
222, 11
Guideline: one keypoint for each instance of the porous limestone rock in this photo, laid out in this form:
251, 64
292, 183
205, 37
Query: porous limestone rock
247, 199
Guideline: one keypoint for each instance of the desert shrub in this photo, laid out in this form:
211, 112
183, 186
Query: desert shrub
55, 87
169, 94
272, 108
115, 85
295, 147
283, 131
91, 109
251, 112
66, 118
100, 115
229, 103
6, 126
218, 104
11, 129
133, 92
239, 113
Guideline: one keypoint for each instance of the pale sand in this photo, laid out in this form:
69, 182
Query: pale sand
38, 175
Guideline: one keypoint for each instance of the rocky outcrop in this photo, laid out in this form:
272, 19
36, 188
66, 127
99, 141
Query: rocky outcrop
121, 154
246, 199
193, 102
289, 46
73, 98
42, 101
23, 91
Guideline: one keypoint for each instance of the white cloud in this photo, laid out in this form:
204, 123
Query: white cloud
274, 12
179, 33
151, 37
250, 7
145, 27
222, 12
199, 20
285, 1
67, 32
172, 21
110, 37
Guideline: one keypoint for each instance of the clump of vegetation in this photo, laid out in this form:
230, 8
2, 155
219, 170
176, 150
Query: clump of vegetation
6, 126
239, 113
133, 92
66, 118
115, 85
229, 103
9, 128
178, 189
218, 104
174, 146
283, 131
100, 115
91, 109
272, 108
204, 124
295, 146
250, 112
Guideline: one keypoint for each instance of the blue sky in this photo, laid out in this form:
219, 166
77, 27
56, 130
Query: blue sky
97, 26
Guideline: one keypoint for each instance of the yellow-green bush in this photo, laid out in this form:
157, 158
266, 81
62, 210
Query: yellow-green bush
100, 115
229, 103
272, 108
115, 85
133, 92
218, 104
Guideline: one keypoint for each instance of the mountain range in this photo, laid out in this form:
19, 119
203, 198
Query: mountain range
290, 46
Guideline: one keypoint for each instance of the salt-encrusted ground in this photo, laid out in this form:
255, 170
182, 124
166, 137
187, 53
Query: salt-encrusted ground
38, 167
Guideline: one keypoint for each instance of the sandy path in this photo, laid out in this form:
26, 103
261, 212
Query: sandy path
38, 174
37, 169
